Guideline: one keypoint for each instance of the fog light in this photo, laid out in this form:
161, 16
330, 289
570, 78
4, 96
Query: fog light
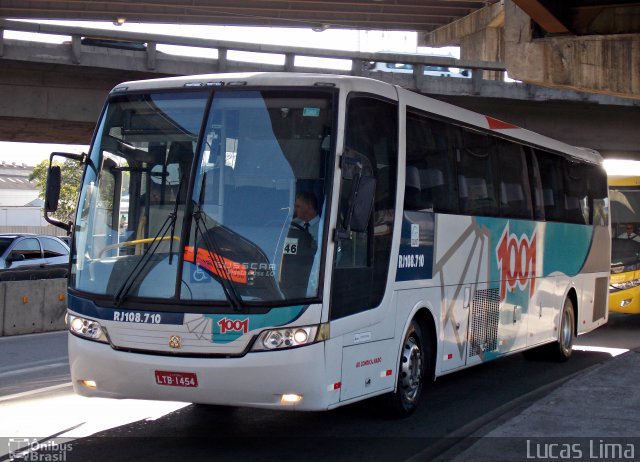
625, 302
89, 384
290, 398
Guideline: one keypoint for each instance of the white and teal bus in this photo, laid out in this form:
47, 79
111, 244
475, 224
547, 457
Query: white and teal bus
432, 239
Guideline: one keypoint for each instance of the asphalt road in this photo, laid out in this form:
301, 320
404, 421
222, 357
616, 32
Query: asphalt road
454, 406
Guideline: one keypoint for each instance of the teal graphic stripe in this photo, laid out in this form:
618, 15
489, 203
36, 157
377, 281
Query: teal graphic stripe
275, 317
566, 247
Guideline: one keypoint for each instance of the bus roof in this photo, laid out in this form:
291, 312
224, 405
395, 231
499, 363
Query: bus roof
364, 84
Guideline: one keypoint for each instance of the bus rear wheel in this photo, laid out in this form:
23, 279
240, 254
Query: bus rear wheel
412, 370
561, 350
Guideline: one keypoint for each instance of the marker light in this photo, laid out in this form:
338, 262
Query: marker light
89, 384
291, 337
290, 398
87, 328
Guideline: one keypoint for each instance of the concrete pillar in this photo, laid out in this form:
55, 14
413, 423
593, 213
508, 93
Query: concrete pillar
608, 64
289, 62
484, 45
479, 35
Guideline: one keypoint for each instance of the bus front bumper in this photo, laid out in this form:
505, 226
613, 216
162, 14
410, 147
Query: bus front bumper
255, 380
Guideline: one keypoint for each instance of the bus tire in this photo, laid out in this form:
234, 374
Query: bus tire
561, 350
412, 370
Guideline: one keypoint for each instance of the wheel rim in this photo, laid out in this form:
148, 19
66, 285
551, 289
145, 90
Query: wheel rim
411, 370
567, 331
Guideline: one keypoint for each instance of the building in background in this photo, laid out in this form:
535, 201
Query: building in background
20, 206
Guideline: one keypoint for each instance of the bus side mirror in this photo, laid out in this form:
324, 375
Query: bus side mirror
52, 195
358, 179
54, 183
363, 204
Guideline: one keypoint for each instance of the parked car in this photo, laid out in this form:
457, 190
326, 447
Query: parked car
66, 240
30, 256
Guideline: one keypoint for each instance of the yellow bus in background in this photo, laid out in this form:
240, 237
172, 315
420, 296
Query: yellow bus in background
624, 288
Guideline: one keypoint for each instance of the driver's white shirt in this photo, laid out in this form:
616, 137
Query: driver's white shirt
313, 226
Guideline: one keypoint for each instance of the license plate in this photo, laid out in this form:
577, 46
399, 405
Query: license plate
177, 379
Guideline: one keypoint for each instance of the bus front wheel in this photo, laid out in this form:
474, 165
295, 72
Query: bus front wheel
412, 371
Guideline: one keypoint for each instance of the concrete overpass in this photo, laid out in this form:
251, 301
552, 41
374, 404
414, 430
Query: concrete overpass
588, 45
54, 92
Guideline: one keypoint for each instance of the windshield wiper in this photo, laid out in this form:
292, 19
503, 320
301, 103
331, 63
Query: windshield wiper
130, 280
228, 288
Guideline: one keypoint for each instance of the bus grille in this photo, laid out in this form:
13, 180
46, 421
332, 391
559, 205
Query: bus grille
485, 316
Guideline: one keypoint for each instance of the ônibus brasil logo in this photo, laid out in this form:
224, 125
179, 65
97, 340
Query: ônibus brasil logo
516, 262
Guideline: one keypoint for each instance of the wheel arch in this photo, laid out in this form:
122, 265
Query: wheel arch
573, 296
427, 323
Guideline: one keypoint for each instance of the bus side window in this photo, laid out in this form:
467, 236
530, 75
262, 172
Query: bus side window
536, 186
550, 167
476, 175
576, 199
429, 184
598, 195
515, 198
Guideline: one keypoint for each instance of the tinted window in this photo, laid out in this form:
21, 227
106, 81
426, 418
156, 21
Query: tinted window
5, 242
536, 186
30, 248
598, 194
430, 183
551, 178
513, 186
53, 248
476, 183
576, 199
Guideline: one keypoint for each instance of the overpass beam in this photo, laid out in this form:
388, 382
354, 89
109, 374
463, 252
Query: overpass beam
608, 64
479, 35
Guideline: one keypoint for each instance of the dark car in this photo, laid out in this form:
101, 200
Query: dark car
31, 256
66, 240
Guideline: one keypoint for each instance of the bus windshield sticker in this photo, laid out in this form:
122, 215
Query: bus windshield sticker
291, 246
311, 112
415, 235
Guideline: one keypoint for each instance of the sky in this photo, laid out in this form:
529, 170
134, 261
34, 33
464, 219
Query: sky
352, 40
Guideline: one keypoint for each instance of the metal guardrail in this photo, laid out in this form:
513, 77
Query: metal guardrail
223, 46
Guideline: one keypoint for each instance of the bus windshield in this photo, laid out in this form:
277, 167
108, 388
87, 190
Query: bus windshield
625, 228
181, 202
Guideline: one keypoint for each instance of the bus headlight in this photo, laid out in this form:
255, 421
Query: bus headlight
291, 337
87, 328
